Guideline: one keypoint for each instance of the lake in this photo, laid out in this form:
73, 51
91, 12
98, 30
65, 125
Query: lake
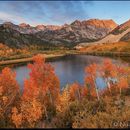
69, 69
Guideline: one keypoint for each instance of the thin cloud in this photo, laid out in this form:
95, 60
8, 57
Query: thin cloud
46, 12
4, 17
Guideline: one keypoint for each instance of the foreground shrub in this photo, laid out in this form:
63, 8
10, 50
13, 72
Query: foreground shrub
28, 115
108, 115
9, 95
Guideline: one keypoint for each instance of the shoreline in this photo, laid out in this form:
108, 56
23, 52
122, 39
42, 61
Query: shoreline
26, 60
117, 54
55, 56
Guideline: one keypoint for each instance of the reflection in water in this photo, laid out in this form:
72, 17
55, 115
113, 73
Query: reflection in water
22, 73
69, 69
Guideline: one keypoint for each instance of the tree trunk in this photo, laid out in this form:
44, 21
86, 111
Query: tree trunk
45, 111
108, 85
120, 91
79, 94
96, 89
50, 97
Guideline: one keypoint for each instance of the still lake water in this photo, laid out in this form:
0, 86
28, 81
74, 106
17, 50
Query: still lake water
69, 69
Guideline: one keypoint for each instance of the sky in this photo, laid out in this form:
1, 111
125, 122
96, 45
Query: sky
61, 12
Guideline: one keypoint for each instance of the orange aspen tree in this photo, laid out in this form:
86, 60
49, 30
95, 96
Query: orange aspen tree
108, 71
122, 77
43, 84
9, 92
75, 91
63, 100
91, 75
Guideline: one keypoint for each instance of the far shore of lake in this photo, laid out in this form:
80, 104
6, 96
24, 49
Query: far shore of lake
25, 60
55, 56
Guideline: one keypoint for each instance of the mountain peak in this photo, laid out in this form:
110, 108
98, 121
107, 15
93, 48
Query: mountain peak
121, 27
8, 23
40, 27
101, 23
65, 25
108, 23
53, 27
76, 22
24, 25
126, 24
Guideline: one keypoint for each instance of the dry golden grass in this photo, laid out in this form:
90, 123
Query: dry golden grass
108, 47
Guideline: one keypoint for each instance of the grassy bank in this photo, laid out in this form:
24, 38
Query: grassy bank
59, 54
28, 58
119, 48
25, 60
117, 54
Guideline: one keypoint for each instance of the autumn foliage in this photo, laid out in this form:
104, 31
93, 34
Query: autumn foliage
114, 76
43, 82
40, 91
42, 102
9, 93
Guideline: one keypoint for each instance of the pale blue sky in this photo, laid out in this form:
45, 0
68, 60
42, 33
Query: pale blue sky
60, 12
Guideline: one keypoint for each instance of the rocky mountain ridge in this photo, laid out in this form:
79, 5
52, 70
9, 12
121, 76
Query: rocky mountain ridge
66, 35
120, 33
